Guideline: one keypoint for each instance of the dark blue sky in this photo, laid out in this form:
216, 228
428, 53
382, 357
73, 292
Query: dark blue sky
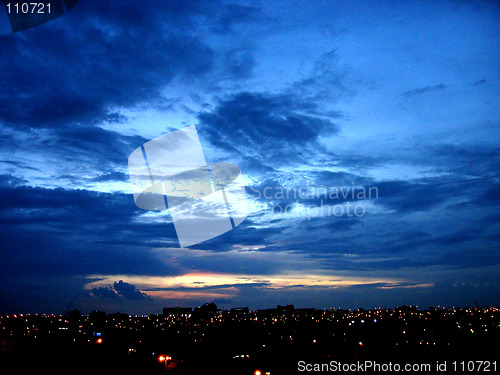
321, 97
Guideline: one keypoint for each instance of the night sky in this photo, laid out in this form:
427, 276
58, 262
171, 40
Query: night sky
315, 97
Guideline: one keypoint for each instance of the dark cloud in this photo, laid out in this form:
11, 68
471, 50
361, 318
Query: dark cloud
235, 15
124, 56
92, 144
104, 292
480, 81
112, 176
77, 232
128, 291
490, 196
82, 154
408, 196
239, 63
458, 237
427, 193
246, 234
325, 83
478, 160
10, 181
47, 84
270, 128
425, 89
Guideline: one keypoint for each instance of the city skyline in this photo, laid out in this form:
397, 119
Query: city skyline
367, 136
282, 340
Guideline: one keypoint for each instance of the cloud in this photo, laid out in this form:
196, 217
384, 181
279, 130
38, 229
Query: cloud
118, 290
104, 292
213, 281
75, 232
274, 129
326, 83
407, 196
107, 63
425, 89
470, 159
112, 176
239, 63
231, 16
265, 97
71, 156
10, 181
427, 193
128, 291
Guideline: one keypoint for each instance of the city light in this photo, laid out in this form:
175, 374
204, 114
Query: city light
163, 358
430, 329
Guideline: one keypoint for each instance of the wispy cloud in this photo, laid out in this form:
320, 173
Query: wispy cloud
426, 89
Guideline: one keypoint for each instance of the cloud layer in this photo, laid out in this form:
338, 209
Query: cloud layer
316, 104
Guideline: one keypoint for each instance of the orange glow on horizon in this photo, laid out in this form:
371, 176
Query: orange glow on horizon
202, 285
299, 273
176, 295
153, 284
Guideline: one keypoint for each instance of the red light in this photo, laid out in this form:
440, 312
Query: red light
257, 372
163, 358
99, 341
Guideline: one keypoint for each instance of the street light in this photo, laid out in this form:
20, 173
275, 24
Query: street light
164, 359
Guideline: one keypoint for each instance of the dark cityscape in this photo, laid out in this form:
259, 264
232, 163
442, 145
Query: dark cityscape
282, 340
